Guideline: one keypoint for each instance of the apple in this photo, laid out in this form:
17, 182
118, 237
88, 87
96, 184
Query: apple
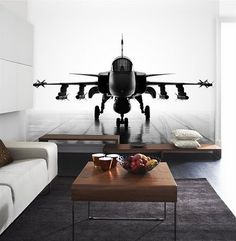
137, 157
138, 161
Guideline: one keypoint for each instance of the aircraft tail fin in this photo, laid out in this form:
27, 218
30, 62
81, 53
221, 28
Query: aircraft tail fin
122, 43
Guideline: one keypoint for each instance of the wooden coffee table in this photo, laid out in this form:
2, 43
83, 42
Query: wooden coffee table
92, 184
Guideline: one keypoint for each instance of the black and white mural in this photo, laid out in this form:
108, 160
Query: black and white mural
176, 37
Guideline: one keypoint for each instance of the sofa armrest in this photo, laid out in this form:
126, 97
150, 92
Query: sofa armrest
43, 150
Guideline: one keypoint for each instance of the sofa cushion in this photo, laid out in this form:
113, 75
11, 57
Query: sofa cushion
5, 157
26, 178
6, 207
38, 150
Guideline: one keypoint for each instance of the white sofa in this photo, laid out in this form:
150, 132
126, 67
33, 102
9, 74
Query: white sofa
33, 168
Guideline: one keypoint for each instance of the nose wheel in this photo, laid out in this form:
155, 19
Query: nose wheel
96, 112
147, 112
123, 121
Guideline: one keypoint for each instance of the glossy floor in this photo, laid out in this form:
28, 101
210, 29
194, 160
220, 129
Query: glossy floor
157, 130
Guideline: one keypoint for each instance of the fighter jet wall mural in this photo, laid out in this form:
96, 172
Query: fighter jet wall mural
122, 84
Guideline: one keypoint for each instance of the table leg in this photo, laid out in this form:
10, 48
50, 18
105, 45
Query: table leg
89, 217
164, 210
175, 213
73, 221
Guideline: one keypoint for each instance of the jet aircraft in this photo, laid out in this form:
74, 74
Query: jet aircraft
123, 84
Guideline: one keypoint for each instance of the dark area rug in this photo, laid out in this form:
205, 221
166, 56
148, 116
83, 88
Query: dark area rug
201, 216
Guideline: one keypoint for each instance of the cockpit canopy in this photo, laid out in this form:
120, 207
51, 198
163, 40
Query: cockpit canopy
122, 65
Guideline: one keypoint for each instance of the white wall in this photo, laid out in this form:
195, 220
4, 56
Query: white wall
176, 36
227, 8
18, 7
228, 84
13, 125
227, 74
227, 15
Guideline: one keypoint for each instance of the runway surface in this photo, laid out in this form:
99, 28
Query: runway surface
157, 130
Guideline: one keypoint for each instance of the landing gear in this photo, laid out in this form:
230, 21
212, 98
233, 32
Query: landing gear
118, 122
105, 97
147, 112
126, 122
121, 120
96, 112
140, 101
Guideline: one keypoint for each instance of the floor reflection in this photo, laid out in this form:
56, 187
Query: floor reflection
157, 130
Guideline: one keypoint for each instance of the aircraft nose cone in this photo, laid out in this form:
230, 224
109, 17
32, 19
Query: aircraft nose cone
122, 85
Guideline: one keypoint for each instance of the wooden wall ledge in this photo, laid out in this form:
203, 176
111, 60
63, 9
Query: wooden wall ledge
129, 148
70, 137
161, 148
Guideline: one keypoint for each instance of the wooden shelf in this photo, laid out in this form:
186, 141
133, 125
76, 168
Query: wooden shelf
162, 149
61, 137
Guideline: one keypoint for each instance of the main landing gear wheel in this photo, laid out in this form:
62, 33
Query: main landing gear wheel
96, 112
126, 122
147, 112
120, 121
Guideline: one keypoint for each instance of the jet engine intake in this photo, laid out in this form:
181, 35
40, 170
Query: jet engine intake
151, 91
93, 91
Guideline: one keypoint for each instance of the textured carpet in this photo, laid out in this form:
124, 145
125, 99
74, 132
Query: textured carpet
201, 216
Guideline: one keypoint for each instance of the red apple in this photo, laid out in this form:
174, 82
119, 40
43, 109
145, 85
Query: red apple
138, 162
137, 156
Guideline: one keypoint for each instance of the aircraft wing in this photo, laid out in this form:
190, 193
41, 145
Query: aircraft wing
91, 75
62, 95
179, 85
151, 75
200, 83
43, 83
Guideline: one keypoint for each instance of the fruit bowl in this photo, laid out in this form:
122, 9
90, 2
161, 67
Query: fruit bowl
138, 163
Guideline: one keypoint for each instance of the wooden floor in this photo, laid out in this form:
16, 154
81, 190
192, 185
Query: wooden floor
220, 173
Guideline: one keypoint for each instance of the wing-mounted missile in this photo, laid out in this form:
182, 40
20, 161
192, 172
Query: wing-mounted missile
62, 95
151, 91
204, 83
94, 90
163, 94
81, 95
181, 94
40, 83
